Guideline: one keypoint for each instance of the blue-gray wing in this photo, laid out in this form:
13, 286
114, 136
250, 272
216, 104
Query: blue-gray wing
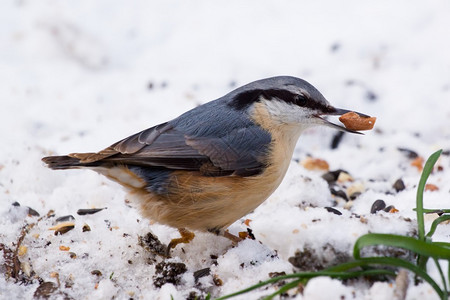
224, 145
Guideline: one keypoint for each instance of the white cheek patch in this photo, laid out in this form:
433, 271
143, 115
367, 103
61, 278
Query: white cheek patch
287, 113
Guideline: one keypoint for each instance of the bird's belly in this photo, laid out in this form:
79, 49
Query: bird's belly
203, 203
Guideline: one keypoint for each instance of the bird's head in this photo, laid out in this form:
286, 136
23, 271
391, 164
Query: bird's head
289, 101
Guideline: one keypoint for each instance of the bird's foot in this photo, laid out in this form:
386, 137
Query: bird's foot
186, 237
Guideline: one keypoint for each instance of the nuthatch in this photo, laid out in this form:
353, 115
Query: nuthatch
217, 162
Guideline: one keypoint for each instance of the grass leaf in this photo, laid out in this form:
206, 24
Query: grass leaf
421, 188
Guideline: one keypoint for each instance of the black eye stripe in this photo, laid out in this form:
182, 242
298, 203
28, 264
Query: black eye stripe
247, 98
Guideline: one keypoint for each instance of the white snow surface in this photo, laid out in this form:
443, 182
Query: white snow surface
77, 76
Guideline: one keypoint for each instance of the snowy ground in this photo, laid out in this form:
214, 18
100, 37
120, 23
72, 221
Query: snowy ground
78, 76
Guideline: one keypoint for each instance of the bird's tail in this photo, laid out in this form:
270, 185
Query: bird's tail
66, 162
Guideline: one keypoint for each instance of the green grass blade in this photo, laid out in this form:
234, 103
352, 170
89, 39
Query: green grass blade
442, 275
391, 261
308, 275
284, 289
420, 189
435, 224
420, 247
435, 211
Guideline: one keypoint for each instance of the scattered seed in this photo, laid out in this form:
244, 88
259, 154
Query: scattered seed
32, 212
332, 176
377, 206
391, 209
337, 138
355, 188
26, 268
409, 153
399, 185
63, 228
355, 195
339, 193
243, 234
310, 163
72, 255
217, 281
45, 290
348, 204
22, 250
333, 210
344, 177
65, 218
64, 248
418, 163
276, 274
201, 273
89, 211
96, 273
431, 187
86, 227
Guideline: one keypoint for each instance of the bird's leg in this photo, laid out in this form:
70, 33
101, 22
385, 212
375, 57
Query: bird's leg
233, 238
186, 237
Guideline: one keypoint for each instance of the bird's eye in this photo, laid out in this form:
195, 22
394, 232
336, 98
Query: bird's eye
300, 100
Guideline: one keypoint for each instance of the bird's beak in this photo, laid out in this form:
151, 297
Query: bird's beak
338, 112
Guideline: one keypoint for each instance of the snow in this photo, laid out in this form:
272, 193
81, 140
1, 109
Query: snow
76, 77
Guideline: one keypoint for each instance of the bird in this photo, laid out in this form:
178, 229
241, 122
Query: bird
215, 163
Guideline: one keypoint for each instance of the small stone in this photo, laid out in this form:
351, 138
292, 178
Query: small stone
399, 185
168, 272
151, 243
377, 206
